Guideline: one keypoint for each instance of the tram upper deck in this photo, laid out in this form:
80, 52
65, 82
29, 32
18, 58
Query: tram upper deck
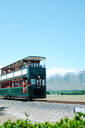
21, 68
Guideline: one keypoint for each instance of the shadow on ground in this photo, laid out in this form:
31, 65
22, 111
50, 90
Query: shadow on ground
2, 111
18, 99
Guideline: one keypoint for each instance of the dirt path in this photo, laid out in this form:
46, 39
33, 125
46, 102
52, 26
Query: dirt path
5, 115
38, 111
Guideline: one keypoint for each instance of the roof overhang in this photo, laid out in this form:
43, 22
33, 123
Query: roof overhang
34, 58
29, 58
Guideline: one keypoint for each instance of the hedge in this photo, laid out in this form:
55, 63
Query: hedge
78, 121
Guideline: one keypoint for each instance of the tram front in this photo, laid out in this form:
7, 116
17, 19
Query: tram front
37, 79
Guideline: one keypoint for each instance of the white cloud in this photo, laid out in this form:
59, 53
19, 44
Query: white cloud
60, 71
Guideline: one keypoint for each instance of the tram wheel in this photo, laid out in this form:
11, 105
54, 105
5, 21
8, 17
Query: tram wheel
29, 98
9, 97
5, 97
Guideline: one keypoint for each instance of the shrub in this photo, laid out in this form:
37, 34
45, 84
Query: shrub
78, 121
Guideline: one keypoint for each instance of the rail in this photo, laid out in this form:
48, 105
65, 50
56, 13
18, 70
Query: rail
61, 102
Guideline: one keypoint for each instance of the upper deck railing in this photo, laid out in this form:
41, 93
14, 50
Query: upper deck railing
19, 68
18, 73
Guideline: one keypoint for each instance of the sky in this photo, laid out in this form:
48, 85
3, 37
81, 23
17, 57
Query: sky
51, 28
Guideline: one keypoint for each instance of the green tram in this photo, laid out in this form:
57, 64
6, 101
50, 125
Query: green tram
32, 71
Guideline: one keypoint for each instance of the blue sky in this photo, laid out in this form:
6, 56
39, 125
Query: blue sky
51, 28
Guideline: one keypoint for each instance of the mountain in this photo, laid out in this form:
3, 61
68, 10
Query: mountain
69, 81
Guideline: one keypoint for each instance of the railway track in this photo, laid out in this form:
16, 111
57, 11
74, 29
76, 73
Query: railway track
62, 102
49, 101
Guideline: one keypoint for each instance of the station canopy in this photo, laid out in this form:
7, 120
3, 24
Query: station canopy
20, 62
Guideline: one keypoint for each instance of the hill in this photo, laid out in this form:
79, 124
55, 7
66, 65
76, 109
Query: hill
70, 81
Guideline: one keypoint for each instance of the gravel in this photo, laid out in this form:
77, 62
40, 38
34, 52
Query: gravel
38, 111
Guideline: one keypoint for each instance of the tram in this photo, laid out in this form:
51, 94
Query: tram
24, 78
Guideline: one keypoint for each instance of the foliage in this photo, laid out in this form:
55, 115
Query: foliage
78, 121
67, 92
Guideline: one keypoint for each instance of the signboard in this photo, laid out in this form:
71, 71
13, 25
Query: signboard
14, 74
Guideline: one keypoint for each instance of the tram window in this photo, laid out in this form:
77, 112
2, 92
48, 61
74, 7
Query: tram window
43, 82
16, 84
37, 82
33, 81
12, 84
36, 64
32, 64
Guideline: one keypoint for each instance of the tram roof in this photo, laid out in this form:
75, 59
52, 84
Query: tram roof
34, 58
29, 58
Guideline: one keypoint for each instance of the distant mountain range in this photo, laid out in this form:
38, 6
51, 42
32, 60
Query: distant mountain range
70, 81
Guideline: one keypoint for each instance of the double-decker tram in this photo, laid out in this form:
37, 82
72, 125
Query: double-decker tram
24, 78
